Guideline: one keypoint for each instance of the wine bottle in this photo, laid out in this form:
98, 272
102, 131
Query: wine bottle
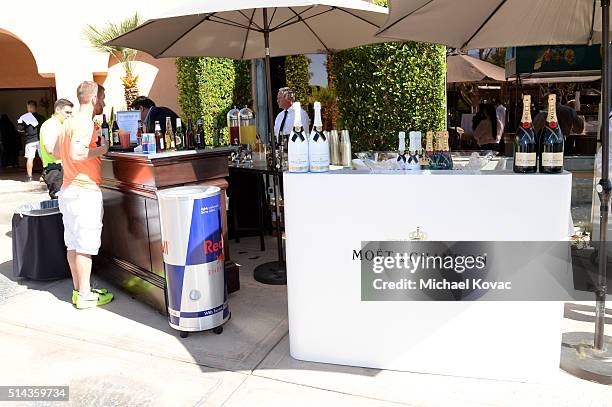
105, 129
169, 136
116, 141
414, 151
401, 150
298, 144
318, 145
525, 147
199, 136
189, 137
139, 133
551, 158
179, 136
159, 138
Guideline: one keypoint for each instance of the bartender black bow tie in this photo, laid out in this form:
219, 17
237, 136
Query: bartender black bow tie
401, 157
296, 135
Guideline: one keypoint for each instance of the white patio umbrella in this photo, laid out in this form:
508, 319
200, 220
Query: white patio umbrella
470, 24
247, 29
465, 68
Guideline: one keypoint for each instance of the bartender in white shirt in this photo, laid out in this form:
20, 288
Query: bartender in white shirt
284, 121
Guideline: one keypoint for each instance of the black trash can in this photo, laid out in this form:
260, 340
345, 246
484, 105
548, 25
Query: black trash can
39, 252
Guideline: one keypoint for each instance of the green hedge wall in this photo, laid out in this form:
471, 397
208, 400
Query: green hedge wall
297, 76
209, 88
385, 88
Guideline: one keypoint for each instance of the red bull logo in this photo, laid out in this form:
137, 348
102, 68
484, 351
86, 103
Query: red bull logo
214, 248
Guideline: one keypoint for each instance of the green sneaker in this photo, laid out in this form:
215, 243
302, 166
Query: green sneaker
93, 299
75, 293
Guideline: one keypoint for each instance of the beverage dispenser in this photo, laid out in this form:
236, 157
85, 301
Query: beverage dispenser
233, 124
248, 129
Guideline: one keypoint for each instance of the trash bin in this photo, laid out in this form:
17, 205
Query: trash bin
39, 252
192, 245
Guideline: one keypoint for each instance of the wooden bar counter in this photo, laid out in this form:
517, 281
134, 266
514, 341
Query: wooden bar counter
131, 254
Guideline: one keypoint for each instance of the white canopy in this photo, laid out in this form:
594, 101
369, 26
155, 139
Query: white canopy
234, 29
465, 68
469, 24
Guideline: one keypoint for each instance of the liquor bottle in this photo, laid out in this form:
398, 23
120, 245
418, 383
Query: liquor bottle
199, 136
159, 139
169, 136
139, 133
116, 141
401, 150
414, 151
525, 147
179, 136
428, 156
318, 145
444, 160
345, 149
551, 146
189, 136
298, 144
105, 129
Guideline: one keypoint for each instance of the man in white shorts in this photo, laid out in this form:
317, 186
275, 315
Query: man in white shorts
80, 199
29, 125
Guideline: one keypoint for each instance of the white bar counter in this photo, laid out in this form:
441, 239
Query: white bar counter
328, 215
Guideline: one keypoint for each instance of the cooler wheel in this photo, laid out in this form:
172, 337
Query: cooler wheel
218, 330
184, 334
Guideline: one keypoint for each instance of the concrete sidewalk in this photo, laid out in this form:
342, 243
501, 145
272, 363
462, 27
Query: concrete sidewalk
125, 354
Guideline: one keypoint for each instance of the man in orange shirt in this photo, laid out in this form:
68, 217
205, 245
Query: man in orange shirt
80, 199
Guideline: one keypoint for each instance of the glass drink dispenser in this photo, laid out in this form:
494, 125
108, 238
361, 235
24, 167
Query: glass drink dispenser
233, 124
248, 129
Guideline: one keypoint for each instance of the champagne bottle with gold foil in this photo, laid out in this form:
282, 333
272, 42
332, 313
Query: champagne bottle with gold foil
525, 147
169, 136
551, 145
444, 160
428, 154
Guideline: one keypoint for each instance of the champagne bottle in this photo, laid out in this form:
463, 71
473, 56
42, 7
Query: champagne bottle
318, 145
189, 137
414, 151
179, 136
551, 159
401, 150
298, 144
443, 159
159, 139
428, 156
199, 136
525, 148
105, 129
115, 140
169, 136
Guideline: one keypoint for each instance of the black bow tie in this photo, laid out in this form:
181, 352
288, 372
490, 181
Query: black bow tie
296, 135
401, 157
413, 157
317, 135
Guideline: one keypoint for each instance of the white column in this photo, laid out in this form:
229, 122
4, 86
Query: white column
67, 80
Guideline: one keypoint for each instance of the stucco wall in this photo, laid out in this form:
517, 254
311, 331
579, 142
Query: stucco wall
53, 35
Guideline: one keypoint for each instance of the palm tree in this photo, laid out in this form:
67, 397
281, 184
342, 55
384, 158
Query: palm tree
99, 36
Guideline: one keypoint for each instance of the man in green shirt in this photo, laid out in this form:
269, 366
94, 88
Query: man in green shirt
49, 131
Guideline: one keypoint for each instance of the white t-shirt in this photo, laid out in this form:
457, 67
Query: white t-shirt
49, 132
288, 126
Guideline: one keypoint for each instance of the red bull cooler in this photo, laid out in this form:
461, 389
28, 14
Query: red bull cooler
192, 245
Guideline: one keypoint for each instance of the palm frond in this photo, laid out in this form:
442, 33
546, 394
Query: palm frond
98, 36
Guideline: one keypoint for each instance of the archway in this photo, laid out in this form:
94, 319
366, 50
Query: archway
20, 81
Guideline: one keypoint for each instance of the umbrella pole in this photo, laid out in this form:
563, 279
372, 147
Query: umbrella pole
272, 272
604, 186
584, 354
